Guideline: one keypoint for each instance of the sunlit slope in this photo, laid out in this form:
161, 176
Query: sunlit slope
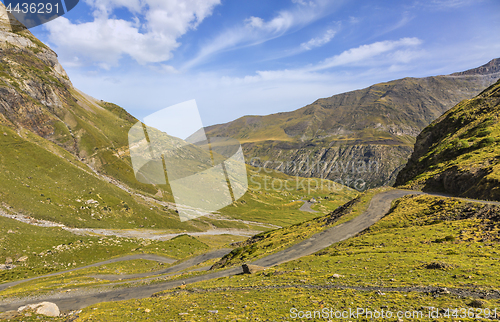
459, 153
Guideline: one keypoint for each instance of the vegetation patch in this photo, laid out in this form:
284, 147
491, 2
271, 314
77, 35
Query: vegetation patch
273, 241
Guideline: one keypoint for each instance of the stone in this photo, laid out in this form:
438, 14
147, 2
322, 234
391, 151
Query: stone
22, 259
9, 315
336, 276
42, 308
7, 266
252, 269
477, 303
8, 260
443, 290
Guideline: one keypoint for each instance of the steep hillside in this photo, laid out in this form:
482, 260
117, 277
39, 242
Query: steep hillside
360, 138
459, 153
64, 155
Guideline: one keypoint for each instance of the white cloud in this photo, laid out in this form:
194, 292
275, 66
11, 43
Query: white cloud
255, 30
449, 4
364, 52
106, 39
399, 52
319, 41
168, 69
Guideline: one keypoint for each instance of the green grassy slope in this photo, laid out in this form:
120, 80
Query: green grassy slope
42, 180
459, 152
270, 242
54, 249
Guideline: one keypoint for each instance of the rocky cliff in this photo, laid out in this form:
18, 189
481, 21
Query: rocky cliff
459, 153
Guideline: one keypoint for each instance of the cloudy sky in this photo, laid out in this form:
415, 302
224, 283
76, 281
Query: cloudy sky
241, 57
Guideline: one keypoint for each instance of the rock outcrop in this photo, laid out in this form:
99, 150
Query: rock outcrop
252, 269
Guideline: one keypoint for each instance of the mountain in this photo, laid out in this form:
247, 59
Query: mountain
360, 138
459, 153
64, 156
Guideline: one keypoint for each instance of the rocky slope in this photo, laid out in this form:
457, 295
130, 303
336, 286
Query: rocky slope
360, 138
64, 155
459, 153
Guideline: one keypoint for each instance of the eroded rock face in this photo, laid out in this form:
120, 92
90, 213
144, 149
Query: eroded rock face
34, 88
360, 166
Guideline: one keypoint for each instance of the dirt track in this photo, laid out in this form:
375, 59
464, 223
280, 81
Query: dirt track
378, 207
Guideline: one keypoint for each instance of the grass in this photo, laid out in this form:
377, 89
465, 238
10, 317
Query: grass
219, 241
53, 186
267, 304
267, 243
183, 246
40, 245
424, 241
275, 197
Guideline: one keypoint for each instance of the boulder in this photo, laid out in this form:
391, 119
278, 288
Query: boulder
8, 261
43, 308
7, 266
251, 269
22, 259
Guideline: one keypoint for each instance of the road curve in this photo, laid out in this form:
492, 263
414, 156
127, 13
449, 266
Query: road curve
158, 258
307, 206
378, 207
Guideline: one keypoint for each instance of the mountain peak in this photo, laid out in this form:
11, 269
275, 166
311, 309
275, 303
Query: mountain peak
491, 67
8, 22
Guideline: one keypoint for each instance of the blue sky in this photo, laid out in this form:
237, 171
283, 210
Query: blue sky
253, 57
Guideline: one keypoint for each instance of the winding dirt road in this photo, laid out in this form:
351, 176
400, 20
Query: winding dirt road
378, 207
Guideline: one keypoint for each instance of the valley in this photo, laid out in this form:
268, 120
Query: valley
382, 198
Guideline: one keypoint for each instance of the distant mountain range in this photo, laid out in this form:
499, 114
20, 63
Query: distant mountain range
361, 138
459, 153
